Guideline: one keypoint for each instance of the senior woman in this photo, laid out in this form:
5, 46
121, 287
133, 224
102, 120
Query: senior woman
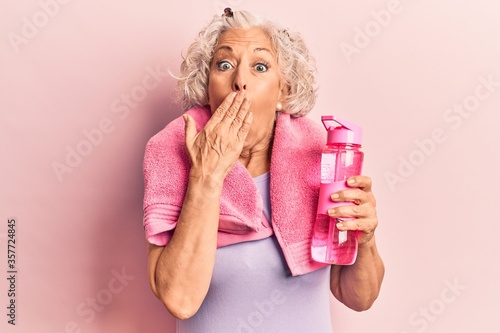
231, 191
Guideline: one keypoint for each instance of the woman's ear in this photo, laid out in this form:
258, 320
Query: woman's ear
284, 91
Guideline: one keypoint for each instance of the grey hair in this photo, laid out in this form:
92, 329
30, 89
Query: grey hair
297, 67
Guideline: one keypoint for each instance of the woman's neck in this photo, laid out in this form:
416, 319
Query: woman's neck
256, 153
257, 159
256, 164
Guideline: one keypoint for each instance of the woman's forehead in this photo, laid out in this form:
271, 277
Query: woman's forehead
255, 38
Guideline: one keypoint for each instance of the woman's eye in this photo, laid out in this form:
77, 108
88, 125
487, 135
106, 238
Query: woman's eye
261, 67
224, 65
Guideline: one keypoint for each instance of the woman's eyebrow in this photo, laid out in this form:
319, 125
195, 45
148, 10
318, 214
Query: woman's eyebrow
224, 47
262, 49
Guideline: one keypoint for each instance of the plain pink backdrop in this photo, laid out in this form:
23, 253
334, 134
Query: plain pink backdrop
410, 72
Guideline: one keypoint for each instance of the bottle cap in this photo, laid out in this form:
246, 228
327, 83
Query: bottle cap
347, 132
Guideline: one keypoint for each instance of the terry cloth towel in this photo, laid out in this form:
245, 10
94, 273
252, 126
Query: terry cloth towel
294, 186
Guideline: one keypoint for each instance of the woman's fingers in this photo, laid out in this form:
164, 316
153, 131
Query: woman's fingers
221, 111
359, 211
366, 225
228, 110
361, 215
245, 126
216, 148
357, 196
362, 182
242, 120
189, 129
235, 107
360, 192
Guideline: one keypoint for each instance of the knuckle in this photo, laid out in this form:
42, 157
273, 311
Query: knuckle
231, 112
238, 120
355, 196
358, 197
346, 211
344, 195
359, 224
221, 110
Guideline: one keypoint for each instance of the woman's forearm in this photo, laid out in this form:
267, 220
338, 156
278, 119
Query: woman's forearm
180, 272
358, 285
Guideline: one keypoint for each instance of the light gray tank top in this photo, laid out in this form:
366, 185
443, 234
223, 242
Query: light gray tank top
252, 290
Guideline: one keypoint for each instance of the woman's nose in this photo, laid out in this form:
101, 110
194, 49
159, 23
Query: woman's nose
238, 87
240, 81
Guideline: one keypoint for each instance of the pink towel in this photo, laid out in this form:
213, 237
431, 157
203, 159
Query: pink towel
295, 179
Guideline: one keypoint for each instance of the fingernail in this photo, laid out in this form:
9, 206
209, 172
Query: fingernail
335, 196
351, 181
340, 225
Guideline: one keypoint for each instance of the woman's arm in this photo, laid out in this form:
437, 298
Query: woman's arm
180, 272
358, 285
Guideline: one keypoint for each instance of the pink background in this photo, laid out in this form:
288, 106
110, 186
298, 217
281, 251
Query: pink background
401, 78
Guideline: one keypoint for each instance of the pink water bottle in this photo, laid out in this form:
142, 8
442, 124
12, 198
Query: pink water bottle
341, 158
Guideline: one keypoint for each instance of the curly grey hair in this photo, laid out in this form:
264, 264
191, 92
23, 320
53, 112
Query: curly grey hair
297, 67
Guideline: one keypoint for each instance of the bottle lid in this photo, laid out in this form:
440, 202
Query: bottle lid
347, 132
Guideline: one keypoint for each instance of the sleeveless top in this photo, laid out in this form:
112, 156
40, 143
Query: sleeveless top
252, 290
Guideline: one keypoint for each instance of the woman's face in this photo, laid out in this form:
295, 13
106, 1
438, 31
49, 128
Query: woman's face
246, 60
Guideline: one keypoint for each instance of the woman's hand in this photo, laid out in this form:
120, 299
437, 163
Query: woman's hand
214, 150
358, 285
364, 213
